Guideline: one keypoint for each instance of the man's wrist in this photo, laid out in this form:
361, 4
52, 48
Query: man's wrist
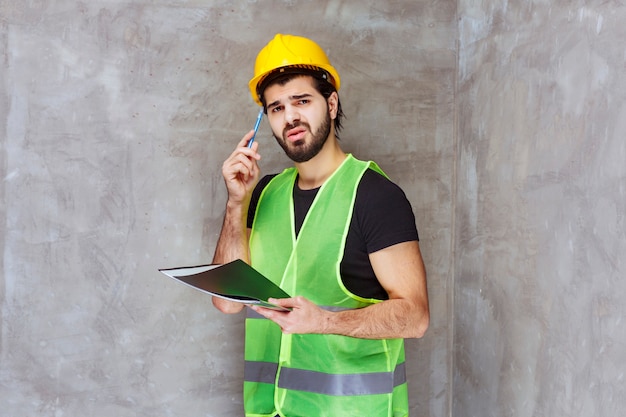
238, 199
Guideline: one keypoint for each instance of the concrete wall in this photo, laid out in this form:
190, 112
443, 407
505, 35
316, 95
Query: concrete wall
540, 203
115, 117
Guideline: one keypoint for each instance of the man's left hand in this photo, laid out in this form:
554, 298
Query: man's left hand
303, 317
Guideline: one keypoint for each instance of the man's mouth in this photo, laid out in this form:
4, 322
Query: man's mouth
295, 134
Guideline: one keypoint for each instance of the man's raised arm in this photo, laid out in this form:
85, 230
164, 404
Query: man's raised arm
241, 173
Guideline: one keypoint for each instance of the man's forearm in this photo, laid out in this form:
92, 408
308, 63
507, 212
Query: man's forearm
231, 245
233, 241
397, 318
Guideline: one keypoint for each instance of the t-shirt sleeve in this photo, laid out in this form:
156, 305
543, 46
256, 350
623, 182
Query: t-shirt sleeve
384, 214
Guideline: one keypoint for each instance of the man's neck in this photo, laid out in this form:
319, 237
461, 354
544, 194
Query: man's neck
314, 172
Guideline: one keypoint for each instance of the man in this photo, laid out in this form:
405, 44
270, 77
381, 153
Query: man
336, 235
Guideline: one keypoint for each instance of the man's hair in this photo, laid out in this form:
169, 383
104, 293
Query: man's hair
320, 83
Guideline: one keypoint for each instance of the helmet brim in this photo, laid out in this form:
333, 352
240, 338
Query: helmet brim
258, 84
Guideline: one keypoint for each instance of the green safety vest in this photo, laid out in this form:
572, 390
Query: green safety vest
315, 375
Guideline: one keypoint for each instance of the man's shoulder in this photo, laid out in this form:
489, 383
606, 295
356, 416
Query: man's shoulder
376, 185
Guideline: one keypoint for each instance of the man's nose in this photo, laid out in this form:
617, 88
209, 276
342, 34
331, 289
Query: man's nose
291, 114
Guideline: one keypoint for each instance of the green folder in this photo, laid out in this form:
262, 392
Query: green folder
235, 281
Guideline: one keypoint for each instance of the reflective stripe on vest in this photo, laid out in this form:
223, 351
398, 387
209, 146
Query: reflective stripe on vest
329, 384
264, 372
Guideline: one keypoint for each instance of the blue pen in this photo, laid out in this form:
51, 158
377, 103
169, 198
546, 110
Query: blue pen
256, 127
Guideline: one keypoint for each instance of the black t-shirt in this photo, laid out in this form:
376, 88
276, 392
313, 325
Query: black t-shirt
382, 217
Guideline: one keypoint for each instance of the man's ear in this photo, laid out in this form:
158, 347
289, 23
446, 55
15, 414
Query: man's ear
333, 104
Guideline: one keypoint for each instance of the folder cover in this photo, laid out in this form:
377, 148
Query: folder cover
235, 281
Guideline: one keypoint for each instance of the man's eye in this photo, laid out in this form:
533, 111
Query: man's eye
276, 109
303, 101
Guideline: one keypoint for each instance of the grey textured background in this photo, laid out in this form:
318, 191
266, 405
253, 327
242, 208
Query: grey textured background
540, 236
504, 122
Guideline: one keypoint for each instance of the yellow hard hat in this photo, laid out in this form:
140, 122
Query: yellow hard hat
294, 53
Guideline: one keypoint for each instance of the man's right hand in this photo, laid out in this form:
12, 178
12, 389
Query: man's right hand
241, 171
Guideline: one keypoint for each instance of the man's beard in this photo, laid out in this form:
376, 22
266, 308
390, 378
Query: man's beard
300, 151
